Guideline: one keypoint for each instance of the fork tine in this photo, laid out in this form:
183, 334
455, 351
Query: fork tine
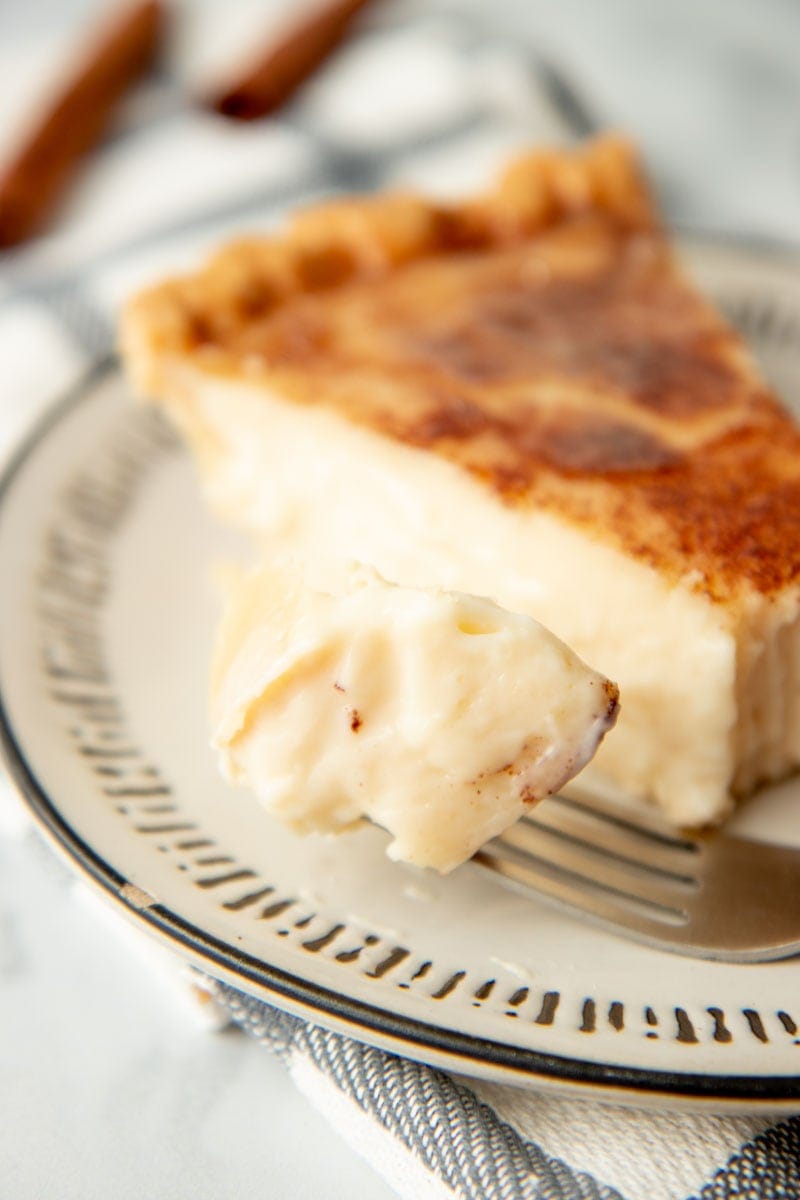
589, 827
643, 821
595, 868
741, 908
601, 907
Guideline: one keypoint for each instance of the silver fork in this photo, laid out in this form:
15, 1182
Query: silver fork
711, 896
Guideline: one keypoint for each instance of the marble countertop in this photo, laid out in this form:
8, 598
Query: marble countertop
112, 1084
710, 91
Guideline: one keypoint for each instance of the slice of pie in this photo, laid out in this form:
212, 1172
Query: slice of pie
440, 716
519, 396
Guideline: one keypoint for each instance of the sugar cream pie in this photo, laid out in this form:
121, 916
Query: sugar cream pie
519, 396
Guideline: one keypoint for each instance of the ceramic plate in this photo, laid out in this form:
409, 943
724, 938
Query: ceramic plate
106, 616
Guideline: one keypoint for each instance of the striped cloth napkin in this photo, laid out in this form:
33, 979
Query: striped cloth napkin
170, 183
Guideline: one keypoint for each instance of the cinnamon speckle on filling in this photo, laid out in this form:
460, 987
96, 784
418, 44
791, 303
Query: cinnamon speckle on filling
629, 327
356, 720
591, 444
570, 441
611, 692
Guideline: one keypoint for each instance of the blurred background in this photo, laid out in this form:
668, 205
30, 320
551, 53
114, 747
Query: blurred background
710, 88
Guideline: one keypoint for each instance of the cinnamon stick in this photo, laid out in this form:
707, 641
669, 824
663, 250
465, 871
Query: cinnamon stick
282, 67
34, 180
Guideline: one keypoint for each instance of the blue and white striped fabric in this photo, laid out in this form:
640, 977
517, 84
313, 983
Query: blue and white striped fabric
170, 183
430, 1134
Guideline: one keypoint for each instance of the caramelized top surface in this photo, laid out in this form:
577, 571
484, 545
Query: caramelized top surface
541, 338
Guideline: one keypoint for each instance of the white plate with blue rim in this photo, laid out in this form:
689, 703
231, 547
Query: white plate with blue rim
106, 618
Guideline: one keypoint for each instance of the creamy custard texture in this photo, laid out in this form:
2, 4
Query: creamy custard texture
422, 523
439, 715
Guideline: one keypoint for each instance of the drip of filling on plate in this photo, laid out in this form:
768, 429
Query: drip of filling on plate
440, 716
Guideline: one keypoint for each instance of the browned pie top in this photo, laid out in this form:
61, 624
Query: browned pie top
540, 337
